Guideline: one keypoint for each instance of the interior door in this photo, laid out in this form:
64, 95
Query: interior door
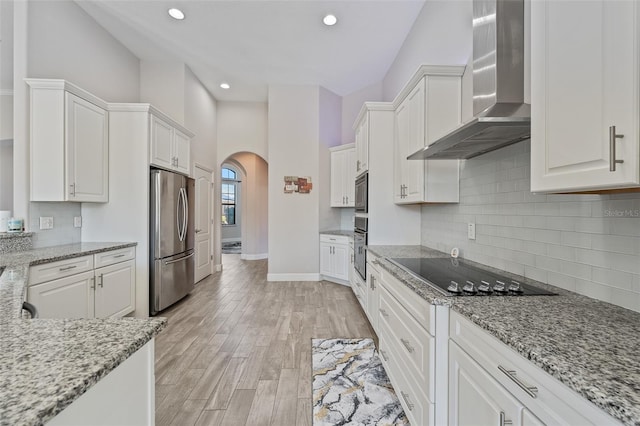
203, 218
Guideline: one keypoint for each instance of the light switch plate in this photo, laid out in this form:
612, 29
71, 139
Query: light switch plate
77, 221
46, 222
471, 230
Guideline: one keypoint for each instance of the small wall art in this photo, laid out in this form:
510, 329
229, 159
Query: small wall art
301, 185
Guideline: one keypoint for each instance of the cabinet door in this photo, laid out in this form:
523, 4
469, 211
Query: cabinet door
338, 176
87, 151
70, 297
115, 290
326, 259
475, 398
362, 145
350, 179
414, 170
373, 296
528, 419
161, 143
341, 261
182, 150
584, 79
399, 152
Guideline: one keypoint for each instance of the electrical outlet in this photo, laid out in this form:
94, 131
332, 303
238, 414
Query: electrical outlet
471, 230
77, 221
46, 222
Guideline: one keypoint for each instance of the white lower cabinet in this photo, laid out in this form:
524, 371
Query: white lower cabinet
108, 291
334, 258
490, 384
374, 278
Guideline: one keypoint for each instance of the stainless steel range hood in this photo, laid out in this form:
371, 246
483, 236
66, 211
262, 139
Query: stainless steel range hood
501, 117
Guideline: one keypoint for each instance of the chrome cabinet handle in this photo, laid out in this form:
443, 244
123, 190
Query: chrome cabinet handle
384, 313
407, 400
503, 419
101, 280
347, 200
372, 279
67, 268
612, 148
119, 255
93, 283
407, 345
532, 391
73, 189
384, 355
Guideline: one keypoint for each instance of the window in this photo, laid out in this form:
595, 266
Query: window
229, 186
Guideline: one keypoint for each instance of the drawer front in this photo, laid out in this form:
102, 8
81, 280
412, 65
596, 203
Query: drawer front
336, 239
114, 256
419, 308
552, 402
414, 345
60, 269
360, 291
416, 406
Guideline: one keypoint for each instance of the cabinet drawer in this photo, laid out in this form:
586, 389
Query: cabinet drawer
552, 402
416, 406
60, 269
336, 239
415, 346
114, 256
423, 312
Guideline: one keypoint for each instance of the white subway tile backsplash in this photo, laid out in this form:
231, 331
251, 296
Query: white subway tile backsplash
586, 243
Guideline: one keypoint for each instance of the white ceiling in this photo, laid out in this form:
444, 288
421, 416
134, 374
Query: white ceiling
253, 44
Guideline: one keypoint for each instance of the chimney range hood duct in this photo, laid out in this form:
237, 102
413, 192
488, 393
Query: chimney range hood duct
501, 117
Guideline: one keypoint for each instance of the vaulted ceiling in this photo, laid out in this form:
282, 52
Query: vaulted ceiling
254, 44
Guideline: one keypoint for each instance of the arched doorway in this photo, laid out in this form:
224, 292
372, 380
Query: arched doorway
244, 206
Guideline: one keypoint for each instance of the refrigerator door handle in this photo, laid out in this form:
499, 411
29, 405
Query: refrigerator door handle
169, 262
178, 215
185, 200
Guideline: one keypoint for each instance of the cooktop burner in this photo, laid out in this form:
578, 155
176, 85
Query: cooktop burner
454, 277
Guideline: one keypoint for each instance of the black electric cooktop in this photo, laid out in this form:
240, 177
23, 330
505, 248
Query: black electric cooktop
454, 277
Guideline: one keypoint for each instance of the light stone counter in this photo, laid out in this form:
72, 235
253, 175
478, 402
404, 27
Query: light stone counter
46, 364
592, 347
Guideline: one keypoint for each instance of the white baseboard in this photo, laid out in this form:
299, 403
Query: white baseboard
254, 256
335, 280
293, 277
219, 268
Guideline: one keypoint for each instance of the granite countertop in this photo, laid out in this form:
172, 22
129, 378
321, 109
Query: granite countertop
590, 346
46, 364
339, 232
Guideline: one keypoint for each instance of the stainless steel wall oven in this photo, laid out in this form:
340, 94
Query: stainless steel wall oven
359, 244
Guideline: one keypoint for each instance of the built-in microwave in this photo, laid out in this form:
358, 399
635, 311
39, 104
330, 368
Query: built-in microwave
362, 182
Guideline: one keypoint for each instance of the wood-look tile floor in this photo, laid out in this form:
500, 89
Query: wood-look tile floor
237, 351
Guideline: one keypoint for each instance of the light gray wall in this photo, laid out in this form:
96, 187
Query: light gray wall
585, 243
162, 84
6, 175
242, 127
63, 231
351, 105
441, 35
330, 135
293, 151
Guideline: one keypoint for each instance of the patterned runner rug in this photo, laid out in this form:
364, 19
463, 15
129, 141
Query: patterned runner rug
350, 385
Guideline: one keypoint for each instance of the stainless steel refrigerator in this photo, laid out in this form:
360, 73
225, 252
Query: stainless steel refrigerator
171, 238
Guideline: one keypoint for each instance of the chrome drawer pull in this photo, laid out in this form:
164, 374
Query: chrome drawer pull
407, 400
503, 419
384, 313
384, 355
532, 391
67, 268
406, 344
120, 255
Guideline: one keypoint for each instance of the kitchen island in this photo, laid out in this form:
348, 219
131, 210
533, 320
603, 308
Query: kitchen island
49, 365
590, 346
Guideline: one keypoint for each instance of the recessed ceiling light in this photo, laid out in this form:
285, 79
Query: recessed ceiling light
330, 20
176, 13
225, 85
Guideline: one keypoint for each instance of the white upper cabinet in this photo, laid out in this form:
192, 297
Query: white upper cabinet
427, 108
585, 75
362, 145
170, 148
343, 169
69, 143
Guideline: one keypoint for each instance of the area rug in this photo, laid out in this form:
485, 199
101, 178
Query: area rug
350, 385
233, 247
